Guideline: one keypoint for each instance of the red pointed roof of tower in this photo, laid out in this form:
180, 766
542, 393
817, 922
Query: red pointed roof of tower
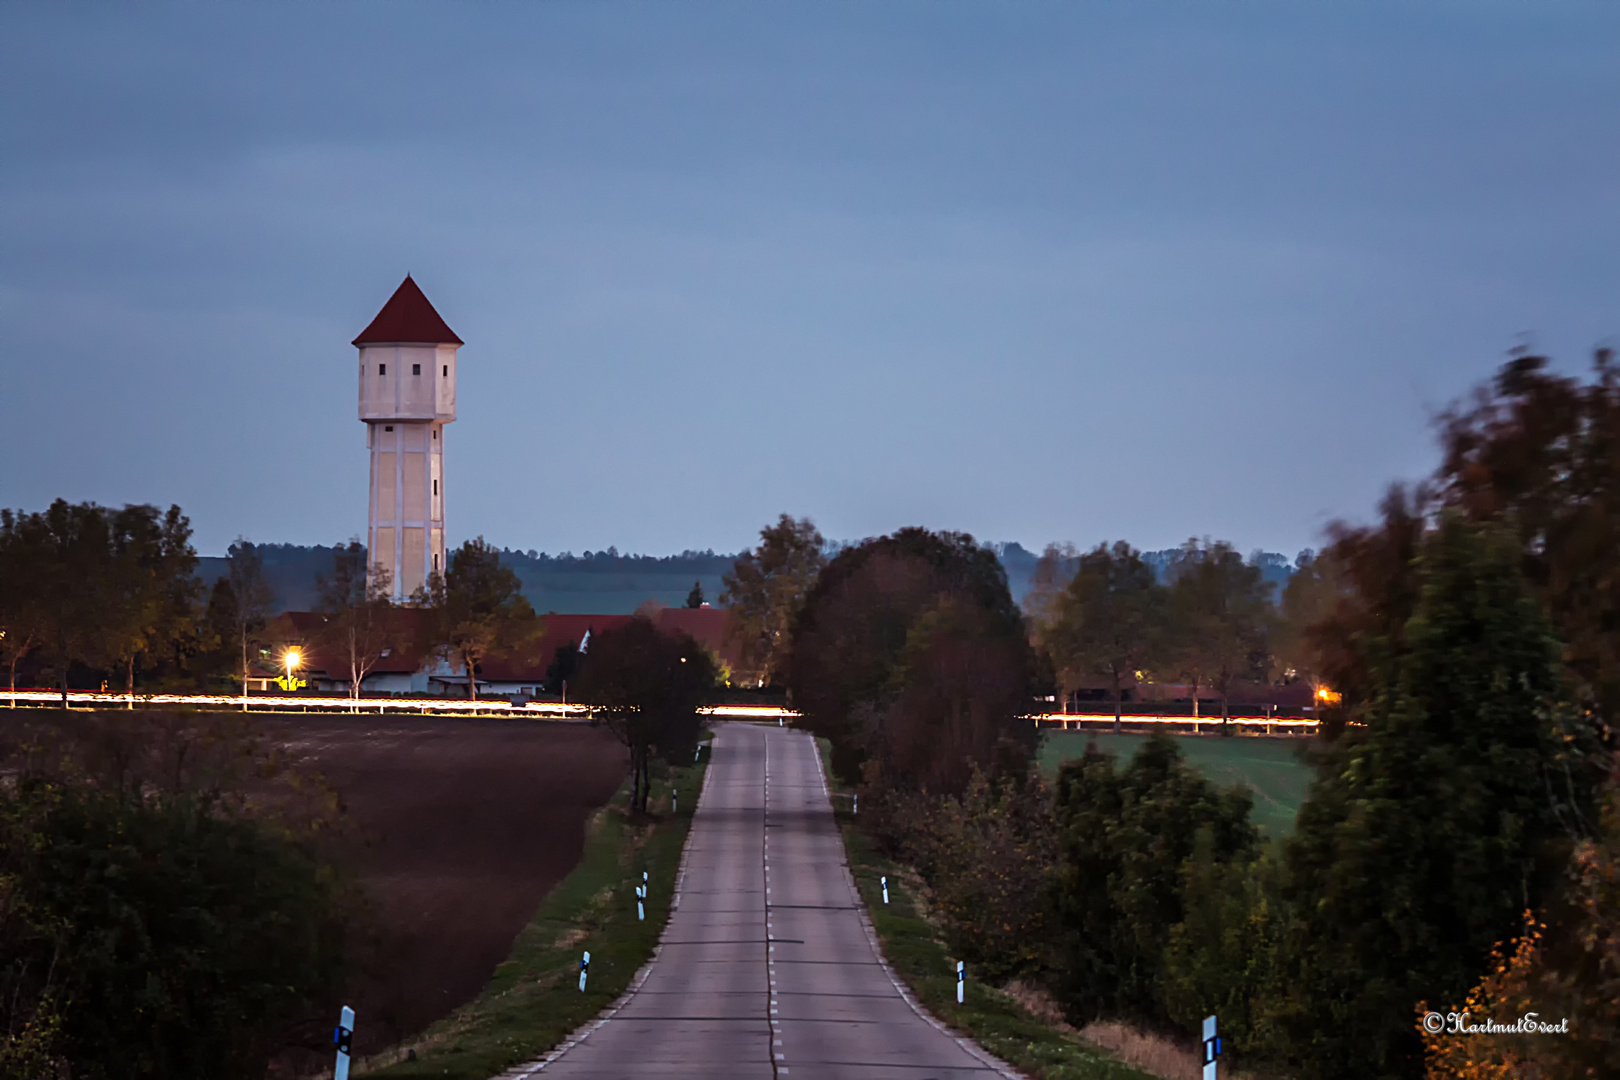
408, 317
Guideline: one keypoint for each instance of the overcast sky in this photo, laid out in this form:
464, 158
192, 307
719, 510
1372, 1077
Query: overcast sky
1041, 272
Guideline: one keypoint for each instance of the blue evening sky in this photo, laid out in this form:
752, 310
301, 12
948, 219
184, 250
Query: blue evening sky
1040, 271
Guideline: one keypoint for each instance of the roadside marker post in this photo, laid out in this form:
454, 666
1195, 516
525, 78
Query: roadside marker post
857, 808
961, 980
584, 969
641, 910
1212, 1048
344, 1038
885, 880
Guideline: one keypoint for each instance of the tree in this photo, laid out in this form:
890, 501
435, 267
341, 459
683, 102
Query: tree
891, 638
251, 597
1053, 571
476, 609
646, 687
1431, 828
1307, 600
1220, 613
765, 589
21, 618
1542, 451
152, 589
1124, 837
1107, 620
68, 549
154, 924
360, 616
694, 599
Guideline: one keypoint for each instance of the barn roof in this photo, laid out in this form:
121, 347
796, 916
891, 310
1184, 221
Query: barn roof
408, 318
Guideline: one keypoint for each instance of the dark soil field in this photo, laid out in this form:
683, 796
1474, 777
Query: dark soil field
459, 828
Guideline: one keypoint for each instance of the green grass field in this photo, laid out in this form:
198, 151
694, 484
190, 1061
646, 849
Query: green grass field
1272, 768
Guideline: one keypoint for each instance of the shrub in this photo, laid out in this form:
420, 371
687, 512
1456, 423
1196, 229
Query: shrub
1123, 839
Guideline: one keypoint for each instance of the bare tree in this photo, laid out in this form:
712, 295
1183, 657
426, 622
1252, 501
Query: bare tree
251, 595
360, 616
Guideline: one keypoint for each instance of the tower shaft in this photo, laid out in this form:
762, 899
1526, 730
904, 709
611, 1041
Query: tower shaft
407, 396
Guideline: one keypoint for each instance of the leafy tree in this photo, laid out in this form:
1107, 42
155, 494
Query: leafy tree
250, 597
154, 928
1307, 600
22, 620
67, 550
646, 687
765, 589
1124, 838
694, 599
1371, 575
1542, 451
879, 630
360, 616
1220, 615
564, 666
1430, 829
1053, 570
955, 701
476, 609
152, 589
1107, 621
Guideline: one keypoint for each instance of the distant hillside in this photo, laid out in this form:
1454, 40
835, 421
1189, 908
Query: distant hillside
290, 568
608, 583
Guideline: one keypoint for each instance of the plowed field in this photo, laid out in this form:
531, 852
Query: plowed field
460, 828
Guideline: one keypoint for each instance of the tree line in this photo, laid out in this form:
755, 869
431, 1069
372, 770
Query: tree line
112, 596
1458, 848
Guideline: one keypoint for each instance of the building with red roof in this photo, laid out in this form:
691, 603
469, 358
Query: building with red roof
410, 666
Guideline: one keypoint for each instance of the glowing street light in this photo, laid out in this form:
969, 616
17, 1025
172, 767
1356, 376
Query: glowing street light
294, 660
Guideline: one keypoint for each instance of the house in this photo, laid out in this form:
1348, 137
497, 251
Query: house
408, 665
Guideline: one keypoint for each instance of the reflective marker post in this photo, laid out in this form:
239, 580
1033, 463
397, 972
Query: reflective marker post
584, 969
641, 910
885, 880
1212, 1048
961, 980
344, 1037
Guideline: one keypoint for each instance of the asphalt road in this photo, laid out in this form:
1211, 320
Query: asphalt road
766, 967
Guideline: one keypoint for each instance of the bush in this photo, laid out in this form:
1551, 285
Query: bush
1124, 837
154, 933
987, 856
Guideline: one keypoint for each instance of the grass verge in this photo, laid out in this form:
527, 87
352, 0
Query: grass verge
533, 1001
988, 1016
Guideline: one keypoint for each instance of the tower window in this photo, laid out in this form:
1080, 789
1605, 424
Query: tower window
435, 563
435, 487
447, 371
382, 369
416, 369
388, 427
435, 433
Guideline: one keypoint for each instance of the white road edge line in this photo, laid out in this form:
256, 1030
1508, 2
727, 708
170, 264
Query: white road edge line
584, 1031
967, 1044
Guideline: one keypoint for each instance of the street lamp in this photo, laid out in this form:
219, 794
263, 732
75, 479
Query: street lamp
293, 660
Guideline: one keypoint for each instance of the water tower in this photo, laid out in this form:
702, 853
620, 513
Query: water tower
407, 395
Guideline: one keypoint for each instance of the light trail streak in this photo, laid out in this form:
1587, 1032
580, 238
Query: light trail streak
552, 710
